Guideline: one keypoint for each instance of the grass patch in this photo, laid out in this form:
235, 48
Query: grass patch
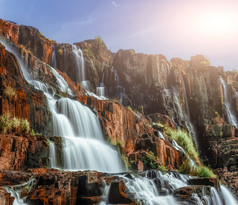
185, 167
9, 124
203, 171
185, 141
9, 92
149, 160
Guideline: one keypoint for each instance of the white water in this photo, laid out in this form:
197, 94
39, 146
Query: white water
52, 154
79, 63
100, 91
16, 190
228, 197
78, 126
154, 187
85, 148
53, 59
232, 119
185, 117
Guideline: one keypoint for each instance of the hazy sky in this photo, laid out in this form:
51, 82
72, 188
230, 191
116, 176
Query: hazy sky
174, 28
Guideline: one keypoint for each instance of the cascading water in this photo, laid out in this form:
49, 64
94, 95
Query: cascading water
154, 187
16, 191
79, 63
183, 117
100, 91
85, 148
83, 144
53, 59
232, 119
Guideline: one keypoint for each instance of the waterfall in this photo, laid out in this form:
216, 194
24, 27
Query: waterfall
79, 59
53, 59
228, 197
15, 191
52, 154
100, 91
84, 146
183, 117
154, 187
232, 119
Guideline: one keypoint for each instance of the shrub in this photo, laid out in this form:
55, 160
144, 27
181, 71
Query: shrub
185, 141
203, 171
60, 51
15, 124
98, 39
162, 168
149, 160
25, 126
10, 124
5, 123
9, 92
185, 167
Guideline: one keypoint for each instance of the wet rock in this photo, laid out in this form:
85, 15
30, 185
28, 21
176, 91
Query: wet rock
205, 182
117, 194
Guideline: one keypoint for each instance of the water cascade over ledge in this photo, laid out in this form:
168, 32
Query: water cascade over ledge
84, 147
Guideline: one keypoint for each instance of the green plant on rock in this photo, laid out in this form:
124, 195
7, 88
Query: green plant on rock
149, 160
184, 140
162, 168
205, 62
25, 126
203, 171
98, 39
10, 124
60, 51
34, 133
9, 92
185, 167
5, 123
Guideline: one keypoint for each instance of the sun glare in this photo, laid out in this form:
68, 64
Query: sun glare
217, 23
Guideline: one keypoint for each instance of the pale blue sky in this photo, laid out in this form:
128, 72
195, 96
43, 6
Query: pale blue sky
173, 28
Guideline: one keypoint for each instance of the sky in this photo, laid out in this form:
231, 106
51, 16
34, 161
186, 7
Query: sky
174, 28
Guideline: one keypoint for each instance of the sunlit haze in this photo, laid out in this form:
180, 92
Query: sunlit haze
174, 28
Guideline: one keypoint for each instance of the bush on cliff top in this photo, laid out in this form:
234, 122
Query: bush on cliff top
9, 124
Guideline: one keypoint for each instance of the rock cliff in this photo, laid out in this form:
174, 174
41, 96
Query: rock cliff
147, 93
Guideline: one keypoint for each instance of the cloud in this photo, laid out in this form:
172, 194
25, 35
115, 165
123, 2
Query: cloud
115, 4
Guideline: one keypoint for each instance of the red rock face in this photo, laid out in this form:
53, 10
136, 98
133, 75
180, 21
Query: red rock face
9, 30
22, 152
27, 103
124, 129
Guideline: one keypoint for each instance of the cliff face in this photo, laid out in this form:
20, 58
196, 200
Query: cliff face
177, 93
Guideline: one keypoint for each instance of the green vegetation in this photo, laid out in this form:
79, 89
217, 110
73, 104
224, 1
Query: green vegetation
35, 133
60, 51
149, 160
205, 62
162, 168
132, 52
203, 171
10, 124
98, 39
129, 108
185, 141
9, 92
185, 168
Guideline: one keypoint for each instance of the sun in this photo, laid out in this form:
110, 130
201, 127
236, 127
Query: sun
217, 22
